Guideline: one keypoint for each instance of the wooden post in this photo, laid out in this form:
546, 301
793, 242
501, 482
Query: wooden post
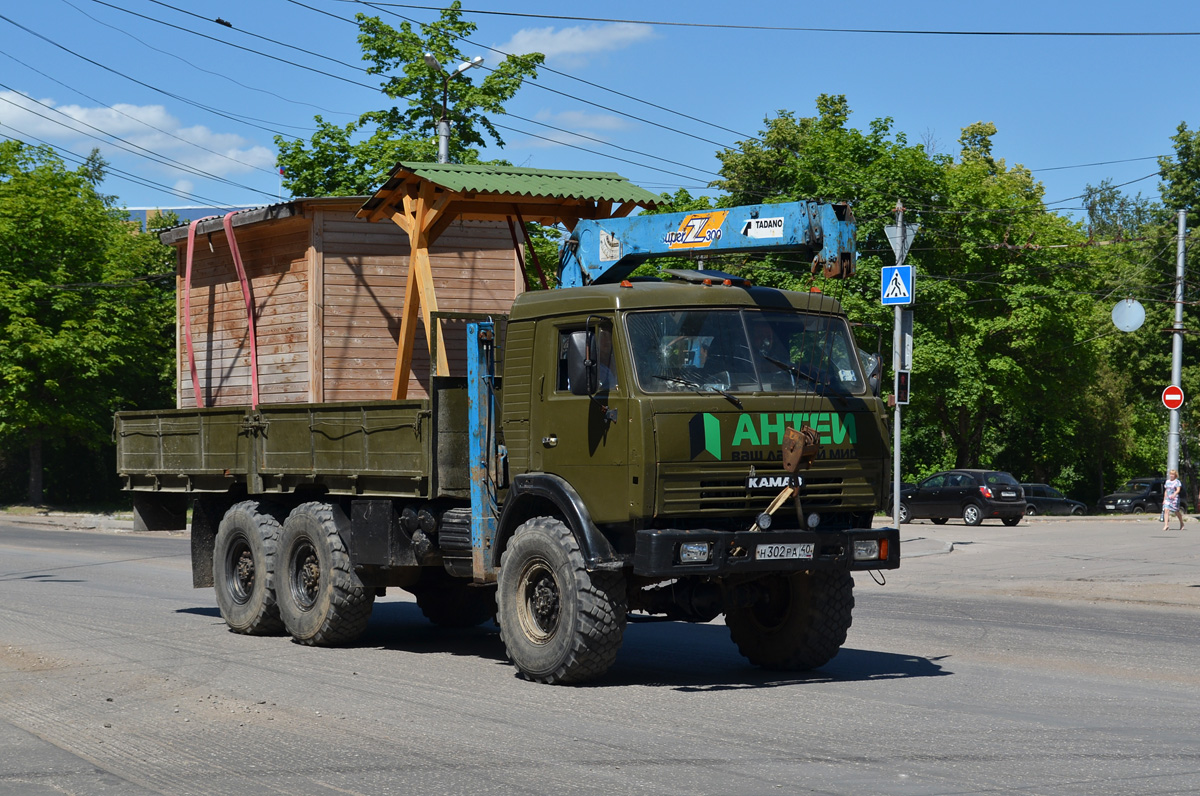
419, 216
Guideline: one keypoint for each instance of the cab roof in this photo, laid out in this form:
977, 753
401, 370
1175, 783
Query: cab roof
664, 295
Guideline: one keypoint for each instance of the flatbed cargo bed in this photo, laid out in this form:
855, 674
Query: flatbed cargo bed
409, 448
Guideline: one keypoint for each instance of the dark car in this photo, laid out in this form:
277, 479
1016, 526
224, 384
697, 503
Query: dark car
1138, 496
1045, 499
904, 487
974, 495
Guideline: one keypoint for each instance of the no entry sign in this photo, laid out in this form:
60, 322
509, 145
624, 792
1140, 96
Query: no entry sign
1172, 397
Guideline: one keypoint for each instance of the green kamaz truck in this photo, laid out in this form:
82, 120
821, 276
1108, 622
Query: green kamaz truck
616, 446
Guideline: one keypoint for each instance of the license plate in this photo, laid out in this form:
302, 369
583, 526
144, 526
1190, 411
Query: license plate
1008, 494
772, 552
1109, 506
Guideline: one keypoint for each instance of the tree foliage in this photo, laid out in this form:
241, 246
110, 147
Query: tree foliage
1009, 369
353, 159
85, 315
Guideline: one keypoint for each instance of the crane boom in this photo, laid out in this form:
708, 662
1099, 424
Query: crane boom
607, 250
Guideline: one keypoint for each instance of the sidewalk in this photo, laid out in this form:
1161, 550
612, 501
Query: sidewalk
1124, 559
67, 520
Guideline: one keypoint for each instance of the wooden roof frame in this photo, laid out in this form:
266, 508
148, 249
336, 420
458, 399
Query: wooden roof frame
425, 209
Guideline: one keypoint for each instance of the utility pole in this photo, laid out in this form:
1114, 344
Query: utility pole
1177, 345
443, 125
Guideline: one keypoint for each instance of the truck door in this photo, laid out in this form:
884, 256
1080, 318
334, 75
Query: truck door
572, 435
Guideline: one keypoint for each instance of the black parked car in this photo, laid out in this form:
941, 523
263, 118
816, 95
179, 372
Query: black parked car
1045, 499
974, 495
1138, 496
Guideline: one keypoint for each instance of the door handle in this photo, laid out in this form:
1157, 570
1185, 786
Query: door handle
550, 441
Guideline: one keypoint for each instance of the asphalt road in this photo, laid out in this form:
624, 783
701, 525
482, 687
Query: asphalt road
1058, 657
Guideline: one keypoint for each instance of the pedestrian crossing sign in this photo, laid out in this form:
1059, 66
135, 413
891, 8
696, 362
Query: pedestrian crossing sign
897, 285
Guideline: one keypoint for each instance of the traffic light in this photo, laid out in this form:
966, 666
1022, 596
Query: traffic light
902, 377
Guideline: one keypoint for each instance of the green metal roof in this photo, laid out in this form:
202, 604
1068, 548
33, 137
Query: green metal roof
587, 186
591, 185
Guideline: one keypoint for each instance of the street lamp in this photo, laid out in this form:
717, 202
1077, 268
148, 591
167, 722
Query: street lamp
443, 126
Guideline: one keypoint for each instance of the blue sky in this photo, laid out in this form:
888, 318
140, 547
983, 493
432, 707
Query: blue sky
1058, 101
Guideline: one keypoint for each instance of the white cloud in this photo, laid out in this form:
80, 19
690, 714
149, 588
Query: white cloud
577, 127
141, 128
574, 46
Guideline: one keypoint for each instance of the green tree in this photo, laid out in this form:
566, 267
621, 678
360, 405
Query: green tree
1001, 282
353, 159
85, 315
1181, 175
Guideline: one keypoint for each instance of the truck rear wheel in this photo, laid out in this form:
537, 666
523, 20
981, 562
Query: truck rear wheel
452, 602
244, 569
321, 600
801, 624
559, 622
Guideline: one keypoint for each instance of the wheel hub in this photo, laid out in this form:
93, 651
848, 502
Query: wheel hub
539, 608
306, 577
240, 571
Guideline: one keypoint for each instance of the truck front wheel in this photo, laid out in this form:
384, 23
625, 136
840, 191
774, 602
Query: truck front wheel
799, 623
559, 622
244, 569
321, 600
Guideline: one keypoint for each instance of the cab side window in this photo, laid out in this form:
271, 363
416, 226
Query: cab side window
603, 354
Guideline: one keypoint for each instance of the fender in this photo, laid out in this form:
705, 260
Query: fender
596, 549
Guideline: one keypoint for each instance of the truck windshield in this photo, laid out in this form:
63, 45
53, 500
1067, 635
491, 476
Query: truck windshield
743, 351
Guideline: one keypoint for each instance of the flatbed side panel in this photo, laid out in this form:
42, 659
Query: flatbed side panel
379, 447
451, 450
181, 442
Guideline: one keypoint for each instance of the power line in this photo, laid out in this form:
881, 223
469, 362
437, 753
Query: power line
136, 119
1100, 163
246, 120
148, 154
793, 29
595, 85
200, 68
128, 176
414, 99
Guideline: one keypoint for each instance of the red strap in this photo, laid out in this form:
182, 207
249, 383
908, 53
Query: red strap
187, 311
241, 272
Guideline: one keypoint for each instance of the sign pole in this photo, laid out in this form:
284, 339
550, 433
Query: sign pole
896, 363
897, 286
1177, 345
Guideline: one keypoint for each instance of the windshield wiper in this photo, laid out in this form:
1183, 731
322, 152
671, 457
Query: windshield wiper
701, 390
789, 367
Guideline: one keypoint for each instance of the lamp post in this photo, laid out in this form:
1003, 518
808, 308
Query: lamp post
443, 126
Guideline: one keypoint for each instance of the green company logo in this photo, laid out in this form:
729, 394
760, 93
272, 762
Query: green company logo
765, 429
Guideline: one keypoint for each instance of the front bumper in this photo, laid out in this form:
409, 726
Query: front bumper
657, 551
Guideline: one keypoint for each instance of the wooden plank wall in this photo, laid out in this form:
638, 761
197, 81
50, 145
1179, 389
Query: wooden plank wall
275, 257
329, 288
366, 265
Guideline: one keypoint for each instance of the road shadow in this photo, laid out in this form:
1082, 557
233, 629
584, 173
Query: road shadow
214, 611
698, 658
402, 627
656, 654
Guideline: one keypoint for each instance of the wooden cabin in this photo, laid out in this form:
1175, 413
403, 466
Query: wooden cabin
328, 295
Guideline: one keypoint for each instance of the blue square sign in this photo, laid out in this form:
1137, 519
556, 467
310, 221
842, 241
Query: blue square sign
897, 285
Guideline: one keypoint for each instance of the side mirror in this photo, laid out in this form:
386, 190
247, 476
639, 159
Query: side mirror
874, 366
583, 374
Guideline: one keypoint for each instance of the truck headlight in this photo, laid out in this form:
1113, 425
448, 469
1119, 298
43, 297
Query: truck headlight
695, 552
866, 550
